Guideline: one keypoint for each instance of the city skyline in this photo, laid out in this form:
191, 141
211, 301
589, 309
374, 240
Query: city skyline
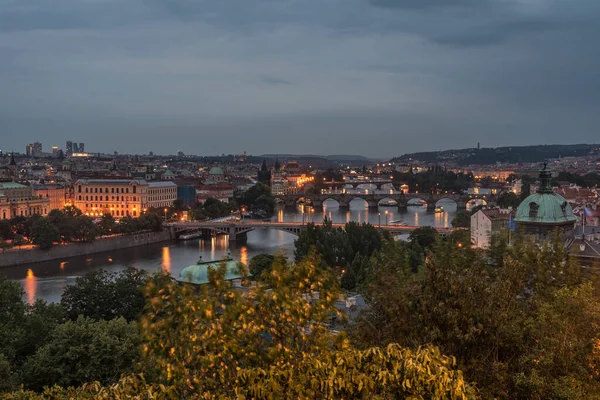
377, 78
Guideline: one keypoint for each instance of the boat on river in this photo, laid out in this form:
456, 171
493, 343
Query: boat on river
439, 209
190, 236
388, 203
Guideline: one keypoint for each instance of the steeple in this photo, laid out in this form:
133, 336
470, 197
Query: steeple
277, 165
264, 166
545, 180
12, 159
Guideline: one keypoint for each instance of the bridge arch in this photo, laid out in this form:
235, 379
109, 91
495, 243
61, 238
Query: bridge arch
331, 202
391, 202
446, 201
358, 202
474, 202
417, 201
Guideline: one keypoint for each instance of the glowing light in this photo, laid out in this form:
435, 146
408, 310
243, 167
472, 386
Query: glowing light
62, 264
30, 286
166, 259
244, 255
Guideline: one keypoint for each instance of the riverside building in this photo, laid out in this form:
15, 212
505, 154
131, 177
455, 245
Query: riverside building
122, 197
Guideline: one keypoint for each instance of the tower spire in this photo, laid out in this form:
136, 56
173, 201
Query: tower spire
545, 180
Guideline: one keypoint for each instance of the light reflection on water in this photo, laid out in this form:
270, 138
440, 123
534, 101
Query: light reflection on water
47, 280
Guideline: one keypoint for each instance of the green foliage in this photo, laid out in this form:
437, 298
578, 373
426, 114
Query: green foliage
389, 373
82, 351
260, 264
336, 246
425, 237
258, 199
106, 295
349, 279
4, 245
7, 380
518, 319
508, 199
462, 219
199, 339
44, 233
332, 244
6, 231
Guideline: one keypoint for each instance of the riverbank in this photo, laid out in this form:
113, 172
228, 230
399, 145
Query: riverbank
33, 255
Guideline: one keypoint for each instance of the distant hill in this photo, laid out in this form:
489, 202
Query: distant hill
512, 154
334, 157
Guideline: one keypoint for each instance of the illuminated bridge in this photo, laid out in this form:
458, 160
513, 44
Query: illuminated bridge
237, 228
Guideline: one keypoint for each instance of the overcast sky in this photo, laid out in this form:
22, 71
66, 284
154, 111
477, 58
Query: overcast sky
371, 77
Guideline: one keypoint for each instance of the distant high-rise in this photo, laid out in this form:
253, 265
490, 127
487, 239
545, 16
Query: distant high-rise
82, 147
75, 147
69, 147
55, 151
29, 150
478, 146
37, 149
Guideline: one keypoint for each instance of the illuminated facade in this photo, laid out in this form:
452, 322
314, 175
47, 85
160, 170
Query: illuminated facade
122, 197
57, 194
20, 200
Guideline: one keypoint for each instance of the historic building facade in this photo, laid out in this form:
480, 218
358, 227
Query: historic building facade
122, 197
19, 200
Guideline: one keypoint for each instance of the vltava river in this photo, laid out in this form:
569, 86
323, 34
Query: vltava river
47, 280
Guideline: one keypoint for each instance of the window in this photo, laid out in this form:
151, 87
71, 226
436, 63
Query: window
97, 198
127, 190
112, 190
105, 190
79, 197
86, 198
79, 188
95, 190
86, 190
533, 210
100, 190
134, 188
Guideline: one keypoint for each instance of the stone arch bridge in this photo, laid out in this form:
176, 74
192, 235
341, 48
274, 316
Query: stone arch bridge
373, 200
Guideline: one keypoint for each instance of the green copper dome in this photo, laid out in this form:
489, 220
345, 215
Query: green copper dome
545, 206
198, 273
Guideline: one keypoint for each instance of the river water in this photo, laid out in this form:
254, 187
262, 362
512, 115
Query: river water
47, 280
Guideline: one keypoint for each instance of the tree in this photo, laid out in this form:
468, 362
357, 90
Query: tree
6, 231
508, 199
363, 238
425, 236
84, 350
348, 279
107, 224
106, 295
516, 326
260, 264
331, 244
7, 379
85, 230
44, 233
4, 245
272, 342
19, 241
462, 219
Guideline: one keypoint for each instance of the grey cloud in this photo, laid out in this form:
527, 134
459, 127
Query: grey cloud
274, 80
374, 77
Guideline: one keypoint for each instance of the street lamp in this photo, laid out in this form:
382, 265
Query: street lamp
165, 215
386, 217
380, 219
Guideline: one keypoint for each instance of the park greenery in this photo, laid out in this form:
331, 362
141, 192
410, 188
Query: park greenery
434, 180
443, 321
70, 226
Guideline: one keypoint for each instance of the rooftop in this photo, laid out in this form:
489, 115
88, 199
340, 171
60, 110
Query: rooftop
11, 185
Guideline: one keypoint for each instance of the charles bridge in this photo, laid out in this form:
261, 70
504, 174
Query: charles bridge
373, 199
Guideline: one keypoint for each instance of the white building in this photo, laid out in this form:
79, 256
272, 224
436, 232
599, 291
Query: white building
486, 223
